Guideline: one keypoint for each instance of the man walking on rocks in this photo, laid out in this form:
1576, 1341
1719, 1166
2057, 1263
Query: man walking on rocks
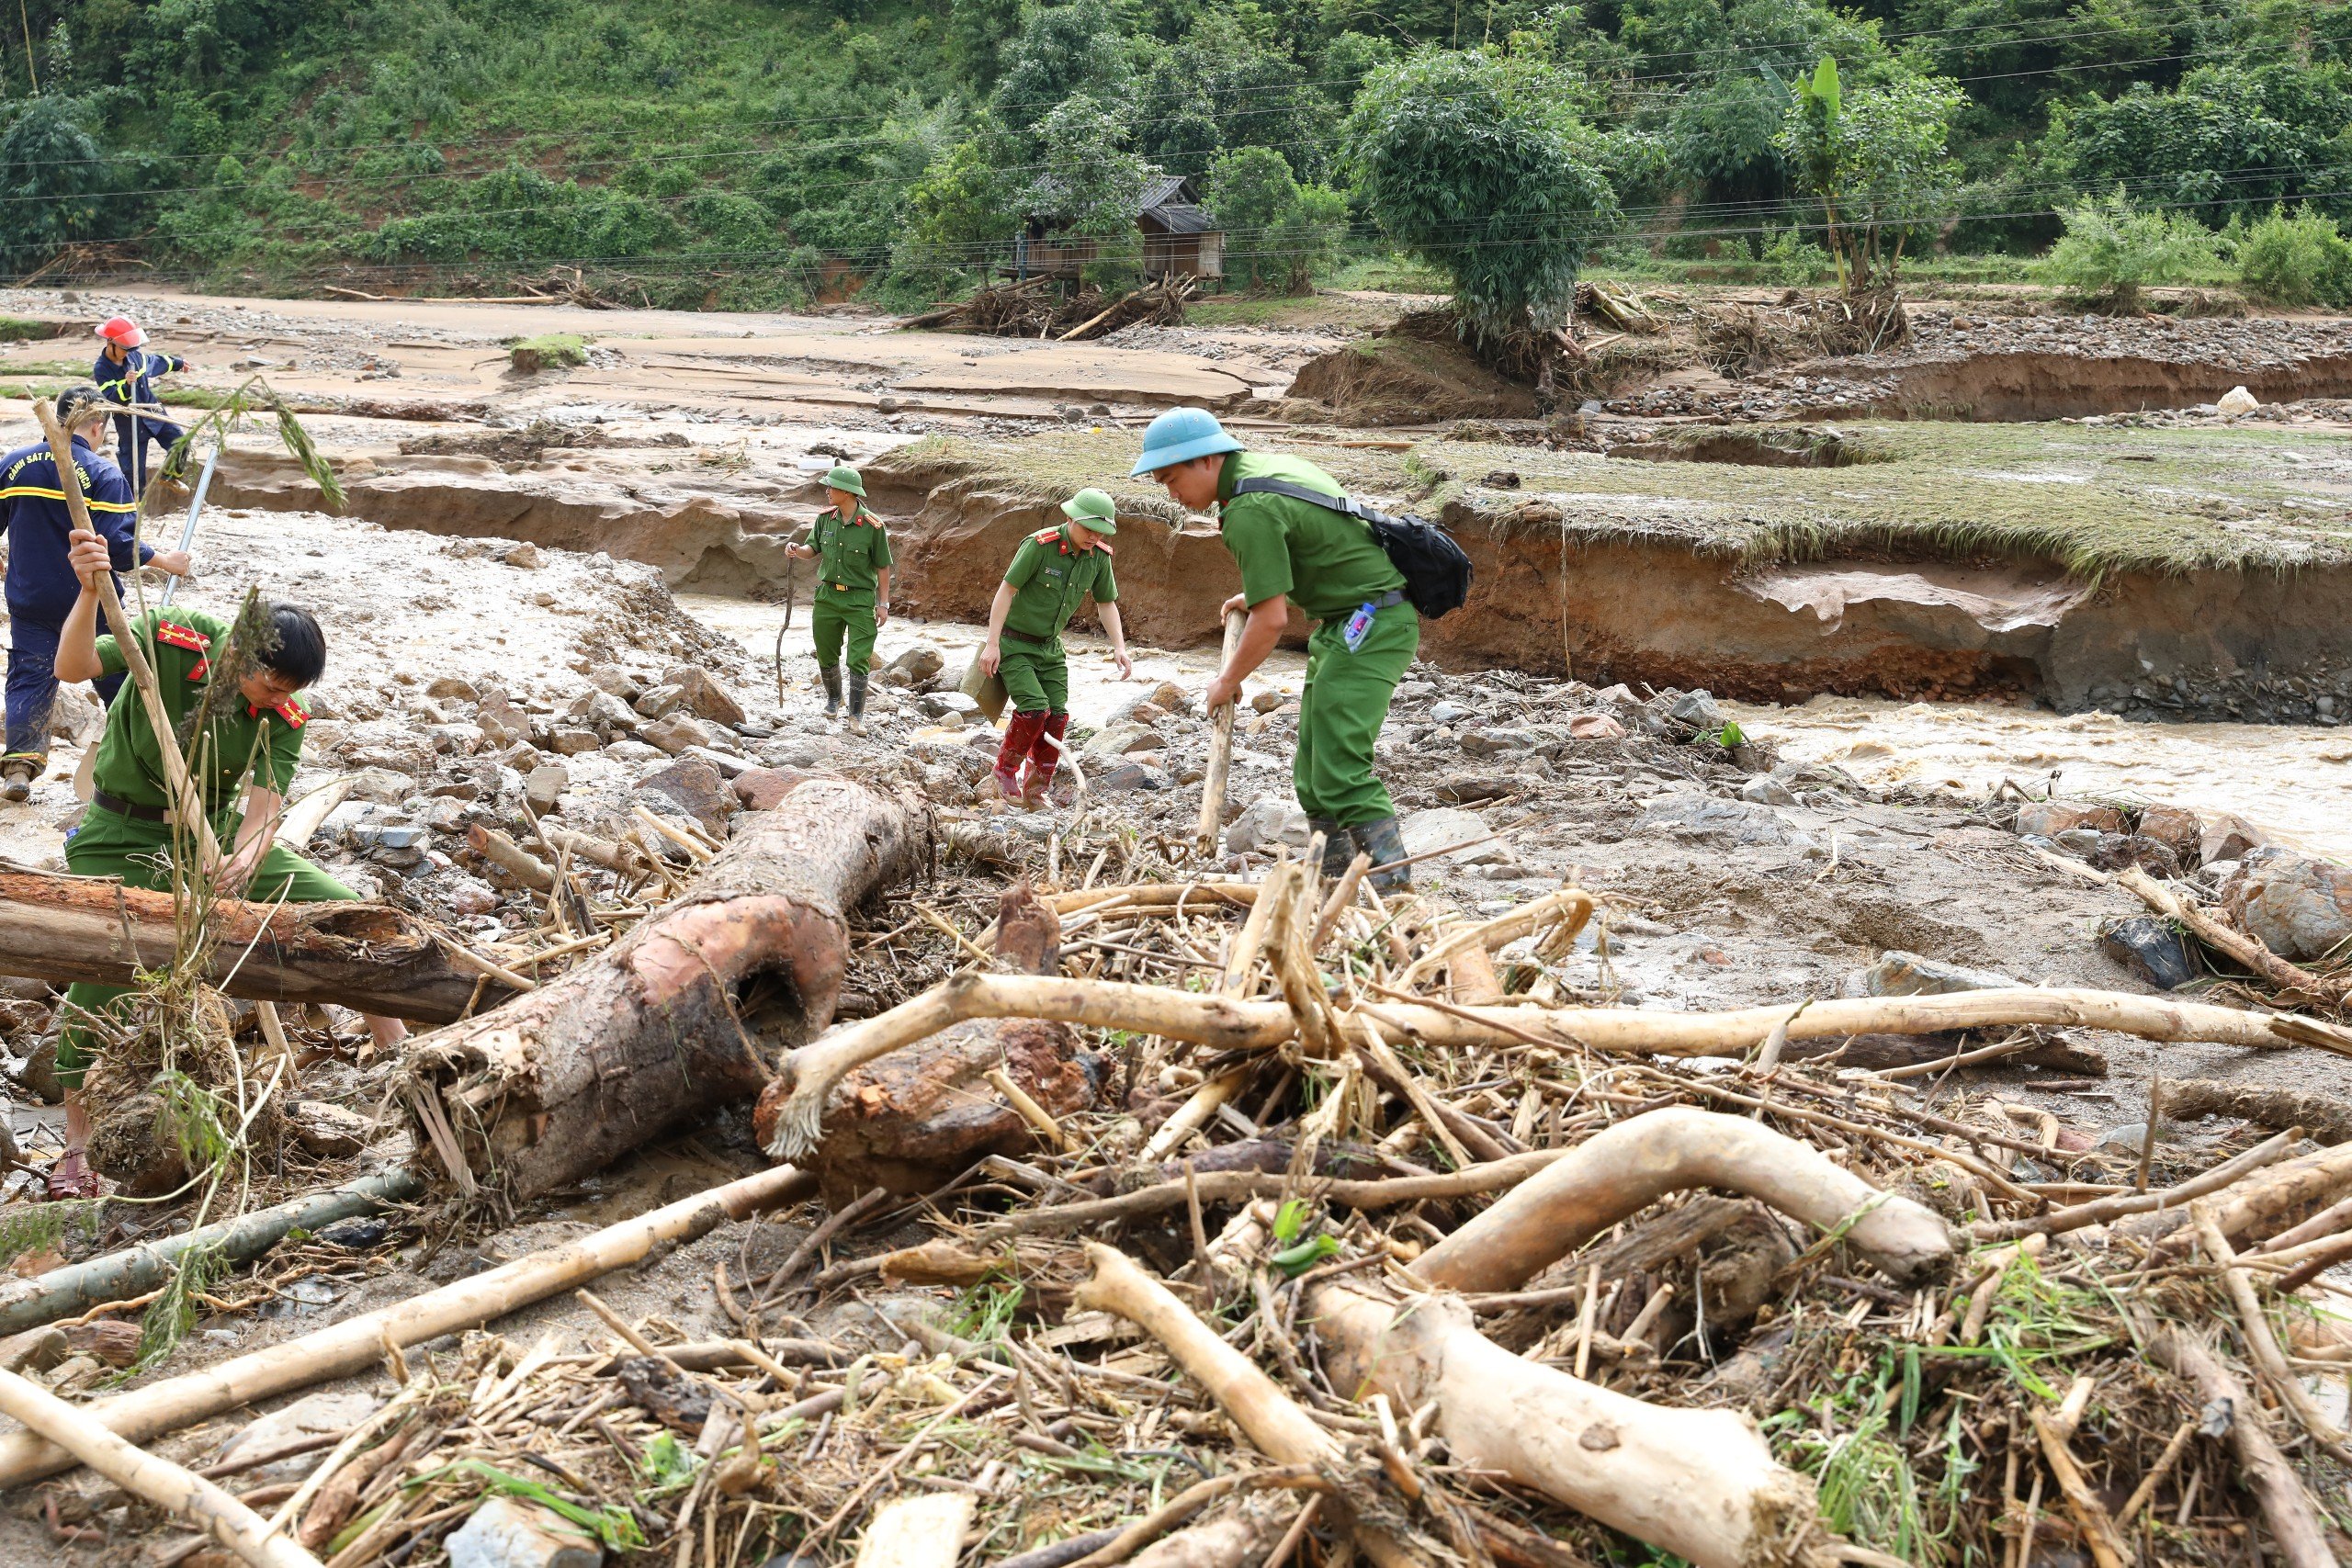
41, 587
853, 598
1327, 563
126, 372
253, 730
1053, 570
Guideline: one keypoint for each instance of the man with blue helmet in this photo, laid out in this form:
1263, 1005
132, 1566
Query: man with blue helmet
1327, 563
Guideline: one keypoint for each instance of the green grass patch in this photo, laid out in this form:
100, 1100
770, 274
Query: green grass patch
2095, 499
25, 329
45, 368
549, 351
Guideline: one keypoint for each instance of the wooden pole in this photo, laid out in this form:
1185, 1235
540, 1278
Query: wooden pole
1220, 745
165, 1484
185, 797
356, 1344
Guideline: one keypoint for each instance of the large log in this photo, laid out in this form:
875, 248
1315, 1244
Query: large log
369, 956
650, 1034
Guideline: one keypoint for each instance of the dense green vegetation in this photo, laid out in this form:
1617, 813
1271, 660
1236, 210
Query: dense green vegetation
741, 152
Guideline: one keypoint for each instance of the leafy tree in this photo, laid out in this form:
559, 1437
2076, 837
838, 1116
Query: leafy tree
1876, 159
1090, 185
1278, 233
1061, 51
2230, 134
1467, 161
2298, 260
52, 176
2112, 249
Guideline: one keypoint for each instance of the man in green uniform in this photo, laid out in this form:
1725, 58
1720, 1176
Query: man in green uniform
1329, 564
1052, 572
853, 598
255, 729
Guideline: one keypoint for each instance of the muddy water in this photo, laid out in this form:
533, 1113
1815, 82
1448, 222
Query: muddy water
2294, 781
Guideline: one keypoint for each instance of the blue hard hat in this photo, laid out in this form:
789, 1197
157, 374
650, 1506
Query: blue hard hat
1178, 436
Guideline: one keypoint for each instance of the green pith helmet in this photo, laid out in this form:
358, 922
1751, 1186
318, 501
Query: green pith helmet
1092, 510
843, 476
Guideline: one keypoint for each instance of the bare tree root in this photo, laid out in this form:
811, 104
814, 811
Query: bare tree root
1271, 1419
1700, 1483
1228, 1024
1631, 1164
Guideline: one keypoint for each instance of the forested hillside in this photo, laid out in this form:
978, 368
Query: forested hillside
736, 153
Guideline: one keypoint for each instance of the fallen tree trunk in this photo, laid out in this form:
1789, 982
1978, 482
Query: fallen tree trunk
647, 1035
166, 1485
1701, 1483
369, 956
1621, 1171
357, 1343
811, 1072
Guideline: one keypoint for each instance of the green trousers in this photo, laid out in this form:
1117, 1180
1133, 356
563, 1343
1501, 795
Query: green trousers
1340, 711
831, 622
1036, 674
140, 853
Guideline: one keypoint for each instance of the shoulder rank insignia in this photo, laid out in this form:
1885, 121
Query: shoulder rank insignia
291, 710
178, 635
1045, 536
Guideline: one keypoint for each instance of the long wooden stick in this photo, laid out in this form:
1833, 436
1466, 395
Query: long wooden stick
2250, 951
165, 1484
2295, 1529
1220, 745
357, 1343
1230, 1023
186, 799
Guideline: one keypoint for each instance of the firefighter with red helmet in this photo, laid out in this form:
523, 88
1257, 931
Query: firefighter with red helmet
127, 371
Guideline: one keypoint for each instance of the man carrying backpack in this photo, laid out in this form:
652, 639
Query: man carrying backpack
1313, 554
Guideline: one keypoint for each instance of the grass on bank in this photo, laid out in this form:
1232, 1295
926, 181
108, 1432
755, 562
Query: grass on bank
2097, 499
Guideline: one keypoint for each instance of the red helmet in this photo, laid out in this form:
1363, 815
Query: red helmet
122, 330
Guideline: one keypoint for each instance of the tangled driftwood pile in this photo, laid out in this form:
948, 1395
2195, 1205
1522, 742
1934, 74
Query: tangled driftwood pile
1037, 308
1224, 1223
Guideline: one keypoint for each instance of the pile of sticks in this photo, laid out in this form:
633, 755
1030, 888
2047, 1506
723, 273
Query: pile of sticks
1032, 309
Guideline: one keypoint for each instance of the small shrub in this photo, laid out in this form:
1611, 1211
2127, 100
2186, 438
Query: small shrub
556, 350
1791, 260
2301, 260
2111, 251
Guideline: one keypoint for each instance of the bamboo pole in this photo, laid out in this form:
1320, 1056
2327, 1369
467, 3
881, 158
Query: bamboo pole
1231, 1023
1220, 745
357, 1343
165, 1484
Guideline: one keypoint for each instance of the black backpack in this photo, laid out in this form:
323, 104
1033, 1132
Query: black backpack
1436, 572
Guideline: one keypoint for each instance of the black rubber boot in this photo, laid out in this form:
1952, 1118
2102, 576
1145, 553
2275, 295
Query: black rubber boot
857, 702
831, 674
1381, 842
1339, 847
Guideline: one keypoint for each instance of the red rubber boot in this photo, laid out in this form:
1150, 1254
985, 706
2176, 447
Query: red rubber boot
1021, 732
1044, 758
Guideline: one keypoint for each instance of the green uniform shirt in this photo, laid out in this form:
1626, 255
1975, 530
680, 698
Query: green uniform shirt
850, 556
1050, 576
1327, 561
239, 739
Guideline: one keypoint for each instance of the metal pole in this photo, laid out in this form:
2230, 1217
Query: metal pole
187, 529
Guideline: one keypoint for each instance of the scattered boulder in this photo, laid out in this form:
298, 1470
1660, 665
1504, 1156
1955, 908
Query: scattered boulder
2116, 850
1268, 820
675, 733
912, 668
696, 788
2177, 831
2048, 819
2236, 403
2300, 908
1766, 790
329, 1131
1595, 727
502, 723
762, 789
614, 680
1698, 709
1441, 827
703, 698
573, 742
1119, 739
544, 785
1900, 973
2150, 948
1265, 702
455, 688
1730, 824
525, 556
1122, 777
506, 1532
2226, 836
1493, 742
